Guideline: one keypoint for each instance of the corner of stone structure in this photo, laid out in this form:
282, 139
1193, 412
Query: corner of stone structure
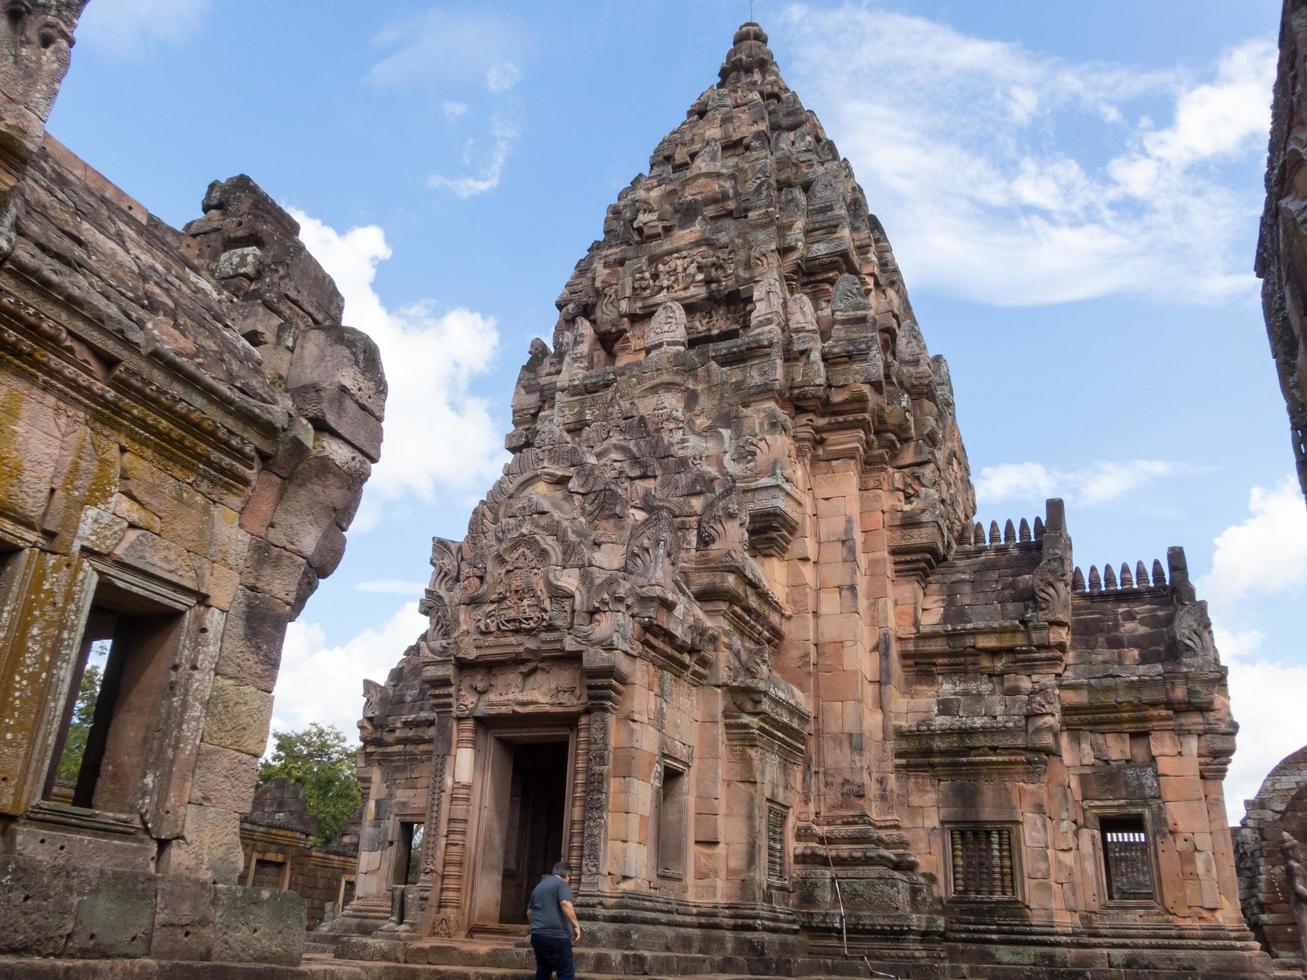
36, 40
181, 460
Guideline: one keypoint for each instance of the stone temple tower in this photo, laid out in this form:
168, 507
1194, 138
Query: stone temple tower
726, 638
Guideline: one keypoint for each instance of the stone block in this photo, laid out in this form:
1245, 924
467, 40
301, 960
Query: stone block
323, 490
115, 914
210, 848
258, 925
183, 919
275, 571
151, 553
37, 908
252, 639
224, 778
237, 717
257, 512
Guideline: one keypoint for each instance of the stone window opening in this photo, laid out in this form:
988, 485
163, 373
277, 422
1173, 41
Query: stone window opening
408, 857
117, 685
983, 862
1127, 858
673, 823
269, 870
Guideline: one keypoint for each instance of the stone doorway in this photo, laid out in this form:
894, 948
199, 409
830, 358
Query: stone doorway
523, 822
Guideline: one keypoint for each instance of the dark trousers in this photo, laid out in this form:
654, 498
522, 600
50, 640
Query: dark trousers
553, 955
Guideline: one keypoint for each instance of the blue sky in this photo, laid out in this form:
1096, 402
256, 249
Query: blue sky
1072, 191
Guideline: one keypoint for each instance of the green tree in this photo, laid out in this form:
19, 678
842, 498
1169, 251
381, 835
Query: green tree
70, 763
320, 760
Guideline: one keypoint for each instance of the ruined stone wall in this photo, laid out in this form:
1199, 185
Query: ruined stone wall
1282, 246
185, 430
1279, 808
277, 836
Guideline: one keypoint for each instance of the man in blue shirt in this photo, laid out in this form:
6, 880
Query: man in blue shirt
553, 925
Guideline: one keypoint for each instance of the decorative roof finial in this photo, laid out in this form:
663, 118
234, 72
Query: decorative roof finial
749, 51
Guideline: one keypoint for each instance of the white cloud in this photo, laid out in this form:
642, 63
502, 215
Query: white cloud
491, 171
1256, 589
453, 110
391, 586
1265, 554
963, 146
438, 436
134, 28
325, 683
1098, 483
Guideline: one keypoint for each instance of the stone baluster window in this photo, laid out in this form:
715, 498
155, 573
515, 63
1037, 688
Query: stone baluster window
1127, 859
982, 862
776, 818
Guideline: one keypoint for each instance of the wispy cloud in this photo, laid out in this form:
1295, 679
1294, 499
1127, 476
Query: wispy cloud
439, 437
135, 28
1097, 483
391, 586
959, 143
1257, 584
490, 169
452, 49
473, 60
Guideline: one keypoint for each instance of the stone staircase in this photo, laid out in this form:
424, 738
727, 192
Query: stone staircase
363, 958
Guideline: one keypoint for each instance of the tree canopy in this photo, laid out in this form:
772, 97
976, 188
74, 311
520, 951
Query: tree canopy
320, 760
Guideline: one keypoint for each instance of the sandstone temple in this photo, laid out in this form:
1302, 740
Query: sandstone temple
726, 635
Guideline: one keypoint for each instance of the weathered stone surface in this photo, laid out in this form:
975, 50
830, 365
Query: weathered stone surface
224, 778
251, 643
237, 717
183, 919
115, 916
1281, 257
211, 849
257, 925
37, 918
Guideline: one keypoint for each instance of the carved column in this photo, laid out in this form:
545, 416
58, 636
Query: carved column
460, 811
580, 793
595, 837
430, 879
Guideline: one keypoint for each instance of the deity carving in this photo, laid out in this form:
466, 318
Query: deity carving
520, 601
651, 553
848, 296
667, 328
723, 523
768, 302
802, 317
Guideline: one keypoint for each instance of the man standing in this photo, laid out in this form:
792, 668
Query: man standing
553, 925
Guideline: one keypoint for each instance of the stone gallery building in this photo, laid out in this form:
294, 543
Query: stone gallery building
185, 430
726, 638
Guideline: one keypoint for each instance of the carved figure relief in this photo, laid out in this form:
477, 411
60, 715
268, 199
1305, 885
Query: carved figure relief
651, 552
521, 599
724, 522
667, 329
848, 296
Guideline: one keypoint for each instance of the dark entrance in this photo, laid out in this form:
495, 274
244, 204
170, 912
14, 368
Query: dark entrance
533, 838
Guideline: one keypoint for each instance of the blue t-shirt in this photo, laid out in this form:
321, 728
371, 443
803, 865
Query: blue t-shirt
546, 913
